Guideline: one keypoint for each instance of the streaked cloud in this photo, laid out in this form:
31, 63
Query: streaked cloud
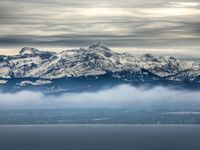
118, 23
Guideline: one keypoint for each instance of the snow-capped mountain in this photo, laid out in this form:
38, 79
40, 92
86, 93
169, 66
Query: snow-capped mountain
94, 61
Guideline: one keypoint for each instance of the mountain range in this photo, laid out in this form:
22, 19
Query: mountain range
91, 67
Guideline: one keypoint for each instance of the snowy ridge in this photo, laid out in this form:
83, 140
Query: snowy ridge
94, 61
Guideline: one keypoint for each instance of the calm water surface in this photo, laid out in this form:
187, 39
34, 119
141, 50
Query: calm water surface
100, 137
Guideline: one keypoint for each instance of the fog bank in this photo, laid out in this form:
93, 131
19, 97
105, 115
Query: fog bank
120, 96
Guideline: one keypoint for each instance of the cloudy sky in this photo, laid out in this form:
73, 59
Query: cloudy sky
138, 26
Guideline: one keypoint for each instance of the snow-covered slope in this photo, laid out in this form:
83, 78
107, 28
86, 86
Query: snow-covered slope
93, 61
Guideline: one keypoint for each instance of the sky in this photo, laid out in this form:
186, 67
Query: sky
162, 27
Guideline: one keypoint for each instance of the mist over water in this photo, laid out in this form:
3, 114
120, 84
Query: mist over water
120, 96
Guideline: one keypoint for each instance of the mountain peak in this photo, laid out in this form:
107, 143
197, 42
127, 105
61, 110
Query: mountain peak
99, 46
149, 57
94, 61
28, 51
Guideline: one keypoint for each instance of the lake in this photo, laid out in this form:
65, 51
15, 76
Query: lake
100, 137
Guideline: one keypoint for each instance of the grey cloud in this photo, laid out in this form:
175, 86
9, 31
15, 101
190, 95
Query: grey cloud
123, 23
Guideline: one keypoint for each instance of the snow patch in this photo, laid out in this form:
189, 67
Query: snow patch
3, 82
38, 82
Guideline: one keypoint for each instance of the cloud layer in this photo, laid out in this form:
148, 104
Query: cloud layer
121, 96
118, 23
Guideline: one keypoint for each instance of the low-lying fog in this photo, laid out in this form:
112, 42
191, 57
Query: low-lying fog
120, 96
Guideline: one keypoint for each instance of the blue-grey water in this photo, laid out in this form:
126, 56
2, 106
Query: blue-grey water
100, 137
99, 116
